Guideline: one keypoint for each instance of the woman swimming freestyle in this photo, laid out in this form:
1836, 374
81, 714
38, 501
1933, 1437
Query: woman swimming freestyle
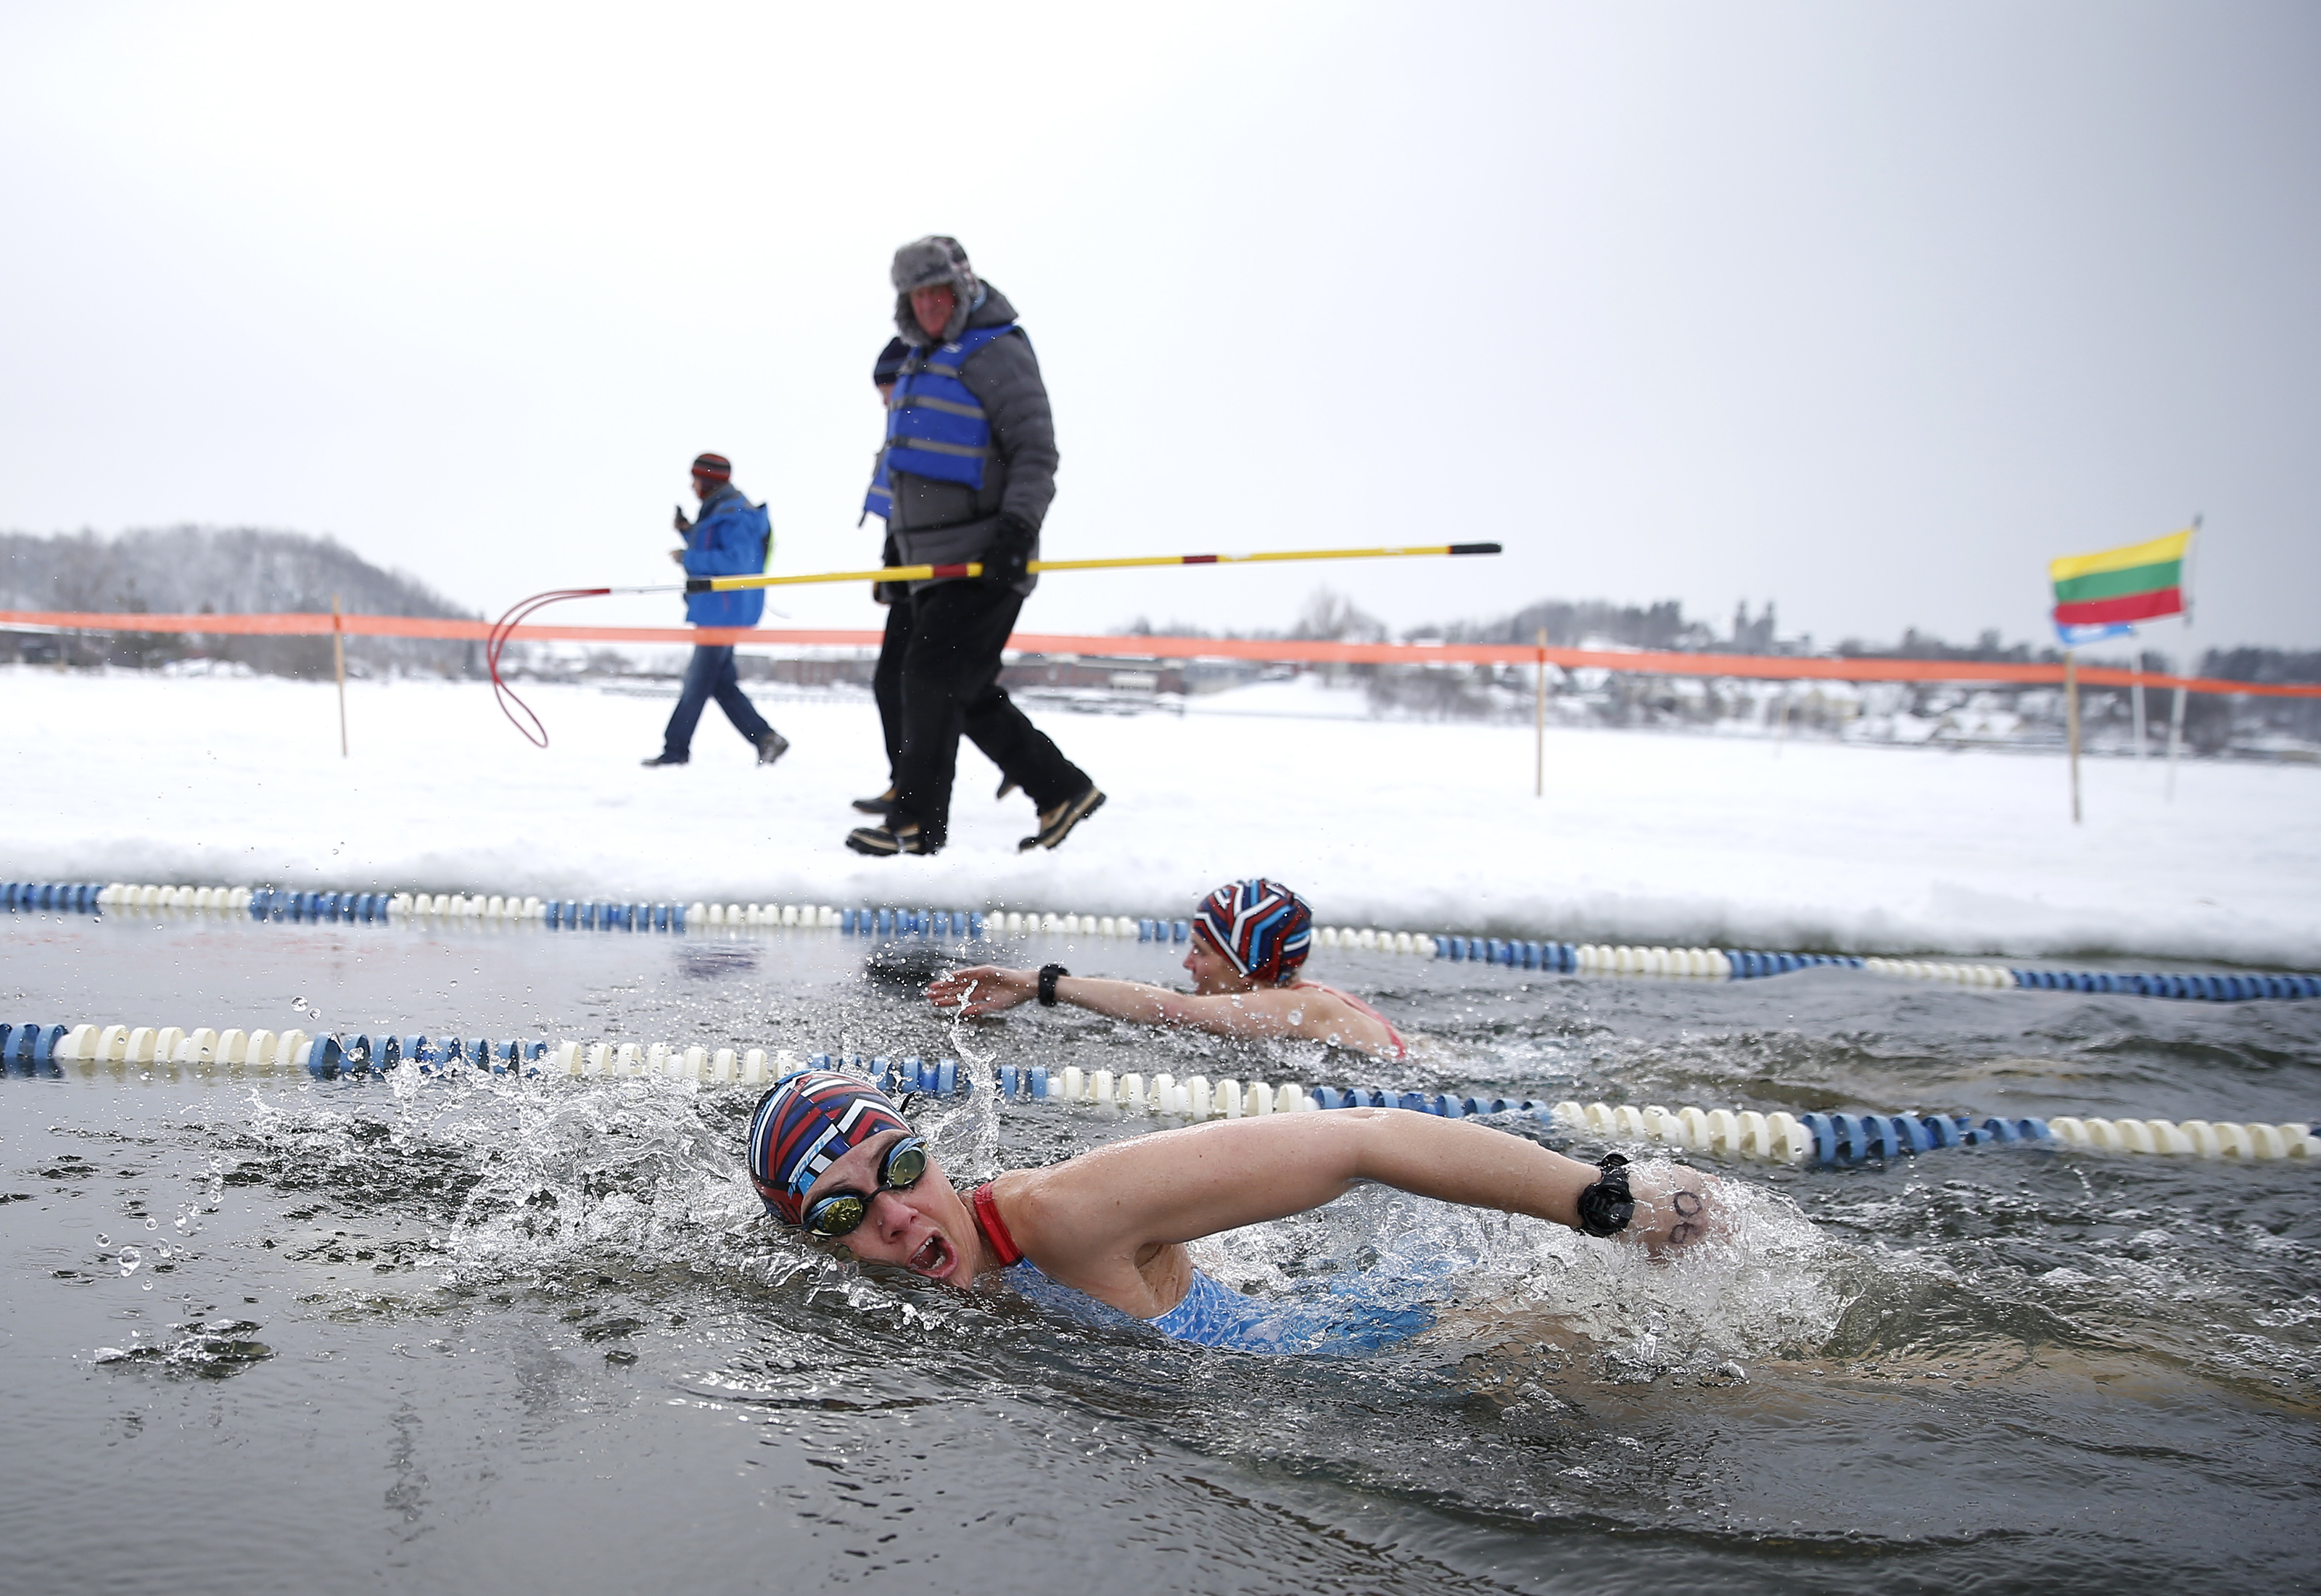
1249, 940
1104, 1234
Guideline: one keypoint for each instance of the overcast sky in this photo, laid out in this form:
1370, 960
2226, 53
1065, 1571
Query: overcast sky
1869, 309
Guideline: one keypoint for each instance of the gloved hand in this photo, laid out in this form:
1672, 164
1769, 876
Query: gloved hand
1006, 561
681, 522
888, 593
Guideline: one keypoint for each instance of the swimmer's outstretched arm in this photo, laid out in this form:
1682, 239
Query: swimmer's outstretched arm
986, 989
1118, 1203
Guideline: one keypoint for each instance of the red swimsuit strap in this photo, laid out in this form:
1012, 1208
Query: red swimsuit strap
994, 1229
1361, 1007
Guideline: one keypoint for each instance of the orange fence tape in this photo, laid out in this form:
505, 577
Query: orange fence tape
1765, 667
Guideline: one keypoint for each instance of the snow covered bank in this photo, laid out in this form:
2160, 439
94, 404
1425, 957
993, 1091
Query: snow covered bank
138, 776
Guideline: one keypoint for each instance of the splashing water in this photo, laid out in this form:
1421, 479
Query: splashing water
982, 1158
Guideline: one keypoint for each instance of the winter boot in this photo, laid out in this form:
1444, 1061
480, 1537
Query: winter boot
884, 841
1057, 823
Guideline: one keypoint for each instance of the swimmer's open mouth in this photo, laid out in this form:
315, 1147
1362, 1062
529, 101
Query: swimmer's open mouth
934, 1259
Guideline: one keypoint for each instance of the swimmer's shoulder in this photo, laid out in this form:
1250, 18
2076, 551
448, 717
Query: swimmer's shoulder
1057, 1217
1376, 1034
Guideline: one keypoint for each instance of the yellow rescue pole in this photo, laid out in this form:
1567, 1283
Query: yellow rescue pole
504, 627
1041, 567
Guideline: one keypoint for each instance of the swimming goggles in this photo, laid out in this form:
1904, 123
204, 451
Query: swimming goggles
841, 1211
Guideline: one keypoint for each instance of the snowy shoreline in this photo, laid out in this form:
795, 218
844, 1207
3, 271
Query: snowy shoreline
1662, 838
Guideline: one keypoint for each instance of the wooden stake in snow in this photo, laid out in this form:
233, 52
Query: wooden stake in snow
338, 658
1538, 723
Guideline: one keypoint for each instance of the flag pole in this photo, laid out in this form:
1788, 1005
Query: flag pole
2071, 719
1538, 723
2176, 714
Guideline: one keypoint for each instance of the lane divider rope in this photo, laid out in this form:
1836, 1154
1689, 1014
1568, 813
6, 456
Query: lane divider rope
1710, 964
1825, 1139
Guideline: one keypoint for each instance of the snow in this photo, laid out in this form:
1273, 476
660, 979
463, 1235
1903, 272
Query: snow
1643, 837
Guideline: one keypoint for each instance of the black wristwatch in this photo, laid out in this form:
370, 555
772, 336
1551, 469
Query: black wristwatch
1048, 973
1605, 1207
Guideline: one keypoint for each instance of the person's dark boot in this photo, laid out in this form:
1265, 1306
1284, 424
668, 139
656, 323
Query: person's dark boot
878, 805
1057, 823
660, 759
772, 746
884, 841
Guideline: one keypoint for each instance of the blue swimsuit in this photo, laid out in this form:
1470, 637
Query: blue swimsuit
1347, 1321
1349, 1315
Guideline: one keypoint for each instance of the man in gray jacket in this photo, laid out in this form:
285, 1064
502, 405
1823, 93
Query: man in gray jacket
970, 462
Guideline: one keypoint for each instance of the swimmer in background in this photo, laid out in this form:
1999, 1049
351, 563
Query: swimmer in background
1249, 940
1102, 1234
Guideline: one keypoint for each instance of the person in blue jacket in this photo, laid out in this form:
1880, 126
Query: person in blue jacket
731, 538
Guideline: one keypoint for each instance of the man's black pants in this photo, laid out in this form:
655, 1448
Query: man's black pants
950, 684
887, 687
887, 681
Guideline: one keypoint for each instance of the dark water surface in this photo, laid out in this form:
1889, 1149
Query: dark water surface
263, 1334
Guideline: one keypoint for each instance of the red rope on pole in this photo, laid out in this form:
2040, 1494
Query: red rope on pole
536, 733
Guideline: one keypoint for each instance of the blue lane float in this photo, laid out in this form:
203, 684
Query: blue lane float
940, 925
50, 897
29, 1048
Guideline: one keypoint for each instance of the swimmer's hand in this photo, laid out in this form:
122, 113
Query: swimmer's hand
985, 989
1676, 1206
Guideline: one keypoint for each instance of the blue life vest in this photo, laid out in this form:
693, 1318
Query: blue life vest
880, 500
936, 425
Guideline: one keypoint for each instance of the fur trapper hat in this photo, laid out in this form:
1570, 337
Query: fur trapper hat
924, 263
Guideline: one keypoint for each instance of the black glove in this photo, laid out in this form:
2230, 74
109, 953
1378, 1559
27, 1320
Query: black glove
888, 593
1005, 562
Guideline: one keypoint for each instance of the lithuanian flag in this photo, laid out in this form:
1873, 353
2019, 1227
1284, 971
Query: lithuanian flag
2141, 582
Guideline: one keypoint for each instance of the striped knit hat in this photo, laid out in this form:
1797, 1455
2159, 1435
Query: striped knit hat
1261, 927
806, 1123
713, 466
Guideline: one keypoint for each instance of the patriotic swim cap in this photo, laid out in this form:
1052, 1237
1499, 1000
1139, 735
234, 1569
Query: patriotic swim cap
806, 1124
1261, 927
